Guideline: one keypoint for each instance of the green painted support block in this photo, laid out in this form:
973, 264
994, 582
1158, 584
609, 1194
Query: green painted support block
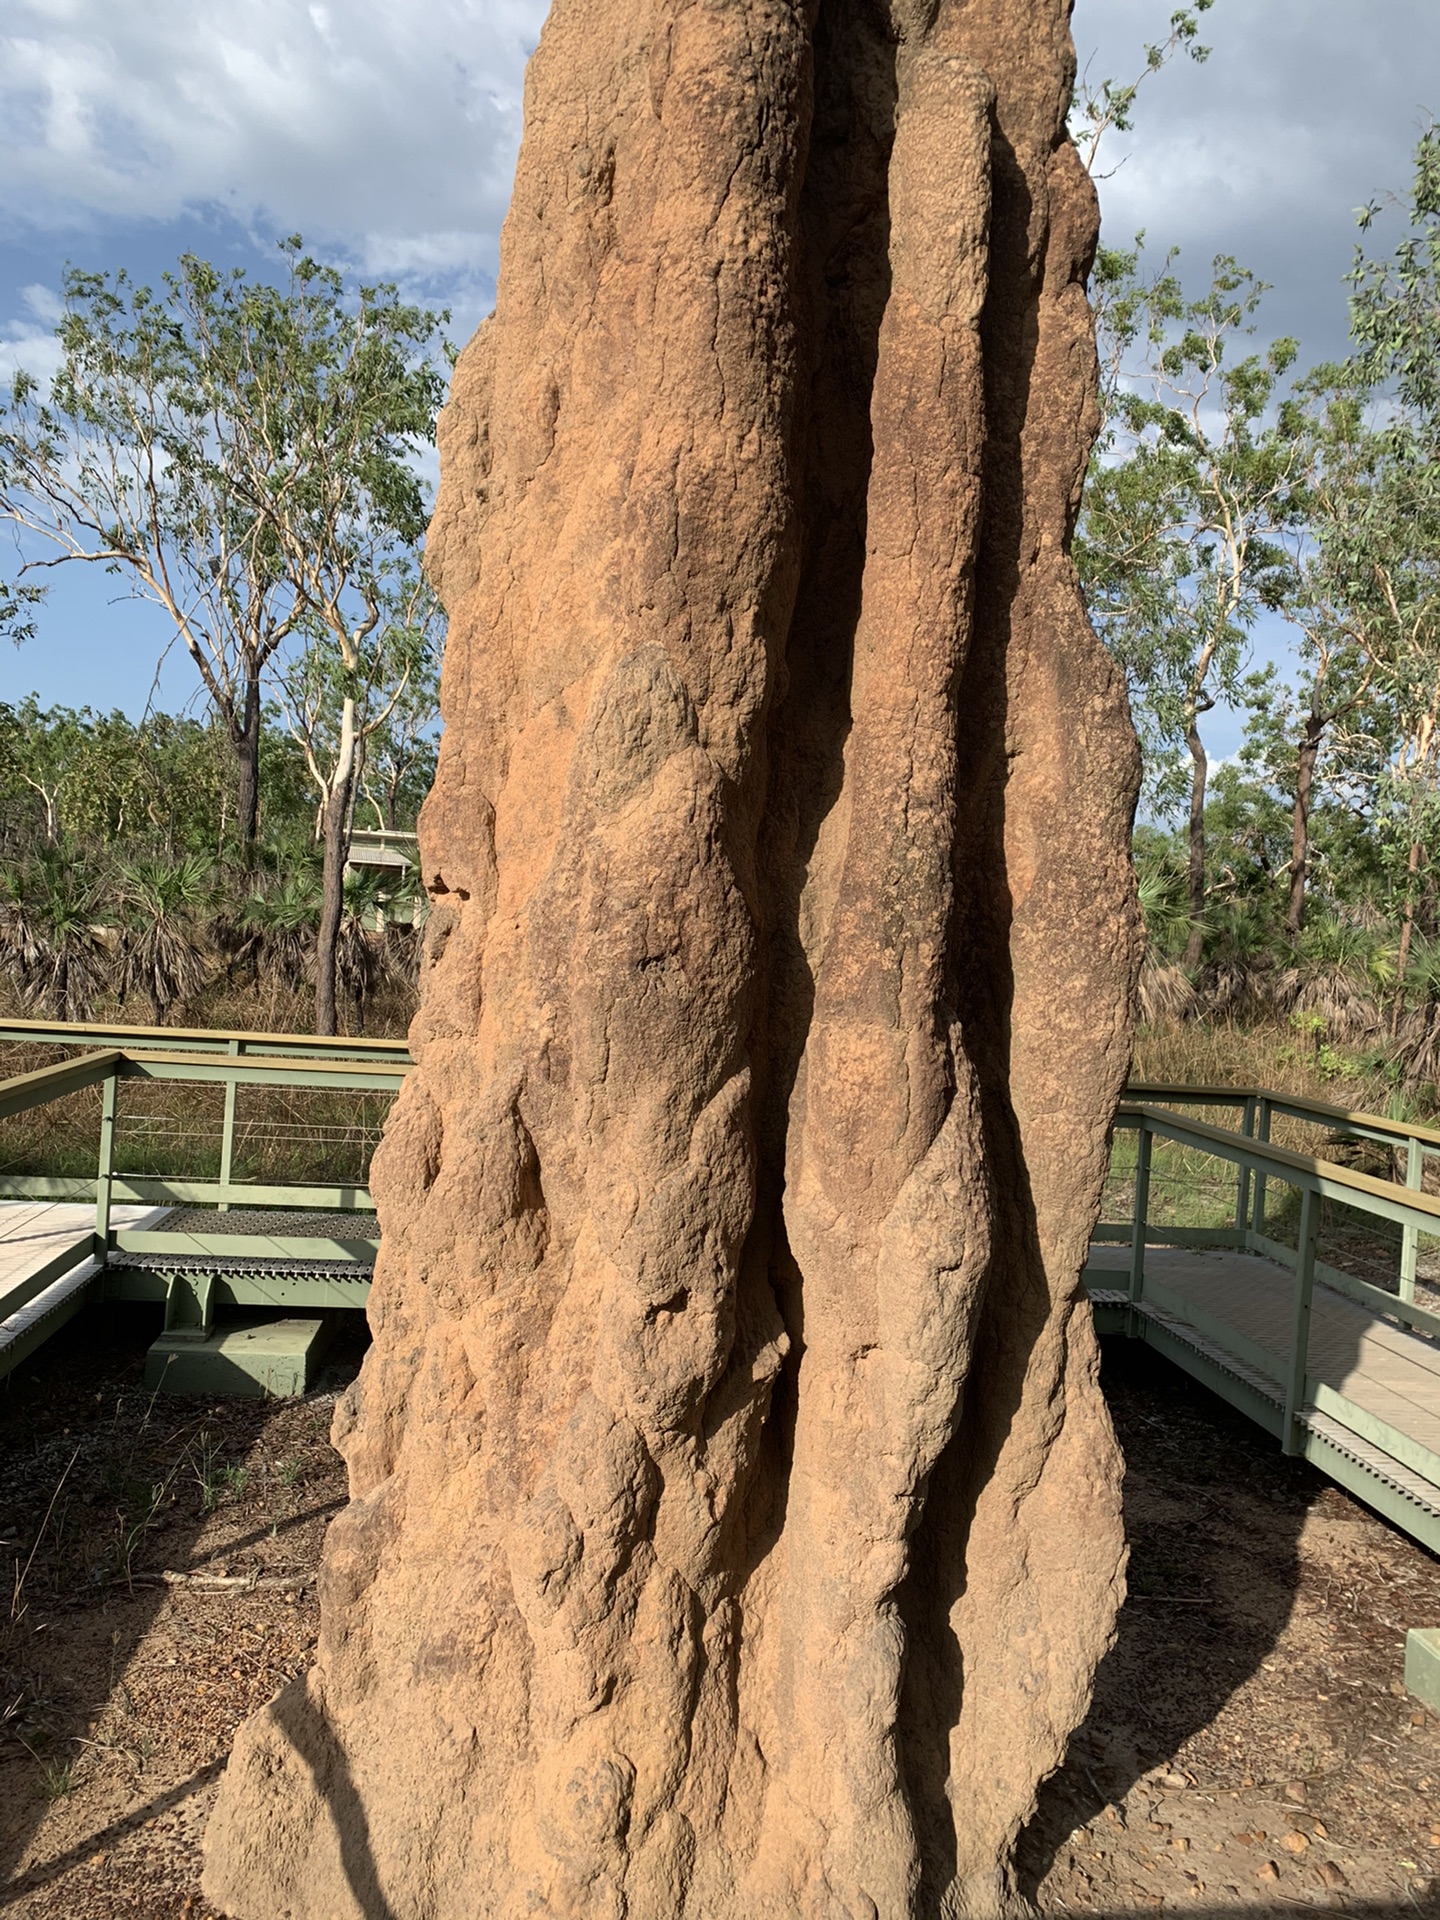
266, 1359
1422, 1665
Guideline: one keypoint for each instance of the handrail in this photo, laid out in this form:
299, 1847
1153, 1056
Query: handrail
1295, 1105
1260, 1105
1326, 1177
294, 1046
1329, 1178
106, 1069
1191, 1095
45, 1084
299, 1046
383, 1068
73, 1033
268, 1070
1409, 1205
1316, 1179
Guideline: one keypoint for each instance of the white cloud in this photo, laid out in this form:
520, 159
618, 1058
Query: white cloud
388, 129
43, 302
31, 344
1305, 110
385, 132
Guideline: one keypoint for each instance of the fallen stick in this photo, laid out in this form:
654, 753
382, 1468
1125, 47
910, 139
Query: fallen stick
1170, 1600
217, 1582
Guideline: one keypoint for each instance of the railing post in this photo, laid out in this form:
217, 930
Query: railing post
1290, 1437
1142, 1211
1410, 1236
105, 1173
227, 1131
1242, 1185
1262, 1134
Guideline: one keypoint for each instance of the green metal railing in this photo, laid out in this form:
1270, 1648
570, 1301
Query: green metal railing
1259, 1107
238, 1061
290, 1046
232, 1071
190, 1295
1257, 1162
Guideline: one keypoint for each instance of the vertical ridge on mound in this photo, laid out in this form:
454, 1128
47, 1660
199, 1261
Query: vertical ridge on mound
734, 1523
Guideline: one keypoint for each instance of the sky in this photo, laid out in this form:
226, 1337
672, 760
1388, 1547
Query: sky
132, 131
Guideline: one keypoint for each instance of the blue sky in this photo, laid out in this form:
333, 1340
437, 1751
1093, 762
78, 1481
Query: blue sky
134, 130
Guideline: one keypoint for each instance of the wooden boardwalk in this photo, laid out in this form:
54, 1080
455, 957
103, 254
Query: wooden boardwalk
1243, 1306
44, 1270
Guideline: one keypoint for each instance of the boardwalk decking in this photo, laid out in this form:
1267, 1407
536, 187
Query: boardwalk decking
1237, 1310
41, 1283
1391, 1373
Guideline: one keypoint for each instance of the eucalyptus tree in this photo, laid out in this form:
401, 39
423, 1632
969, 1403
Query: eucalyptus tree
397, 761
1395, 306
1367, 605
198, 441
18, 602
1106, 106
1332, 702
1392, 547
342, 696
1191, 488
159, 784
40, 755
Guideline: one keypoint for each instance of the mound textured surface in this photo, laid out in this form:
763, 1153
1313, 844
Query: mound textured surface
735, 1517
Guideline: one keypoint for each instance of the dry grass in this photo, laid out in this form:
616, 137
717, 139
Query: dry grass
1197, 1053
243, 1008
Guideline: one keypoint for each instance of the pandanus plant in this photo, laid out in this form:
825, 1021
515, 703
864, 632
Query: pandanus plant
1418, 1035
1337, 973
1237, 979
164, 953
53, 934
277, 932
1165, 991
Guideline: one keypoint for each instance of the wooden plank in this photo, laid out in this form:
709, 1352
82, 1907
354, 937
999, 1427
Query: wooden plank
43, 1186
246, 1246
1296, 1106
198, 1039
353, 1076
37, 1089
1335, 1182
1397, 1442
56, 1274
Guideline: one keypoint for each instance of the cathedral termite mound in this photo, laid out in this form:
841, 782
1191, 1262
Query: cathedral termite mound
735, 1516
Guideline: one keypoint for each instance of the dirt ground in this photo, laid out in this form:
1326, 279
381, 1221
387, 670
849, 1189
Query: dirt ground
1251, 1749
162, 1554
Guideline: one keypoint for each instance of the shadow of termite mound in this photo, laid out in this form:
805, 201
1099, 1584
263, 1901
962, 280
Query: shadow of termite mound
1214, 1515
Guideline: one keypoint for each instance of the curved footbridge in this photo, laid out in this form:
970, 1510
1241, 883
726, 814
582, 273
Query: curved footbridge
1273, 1247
